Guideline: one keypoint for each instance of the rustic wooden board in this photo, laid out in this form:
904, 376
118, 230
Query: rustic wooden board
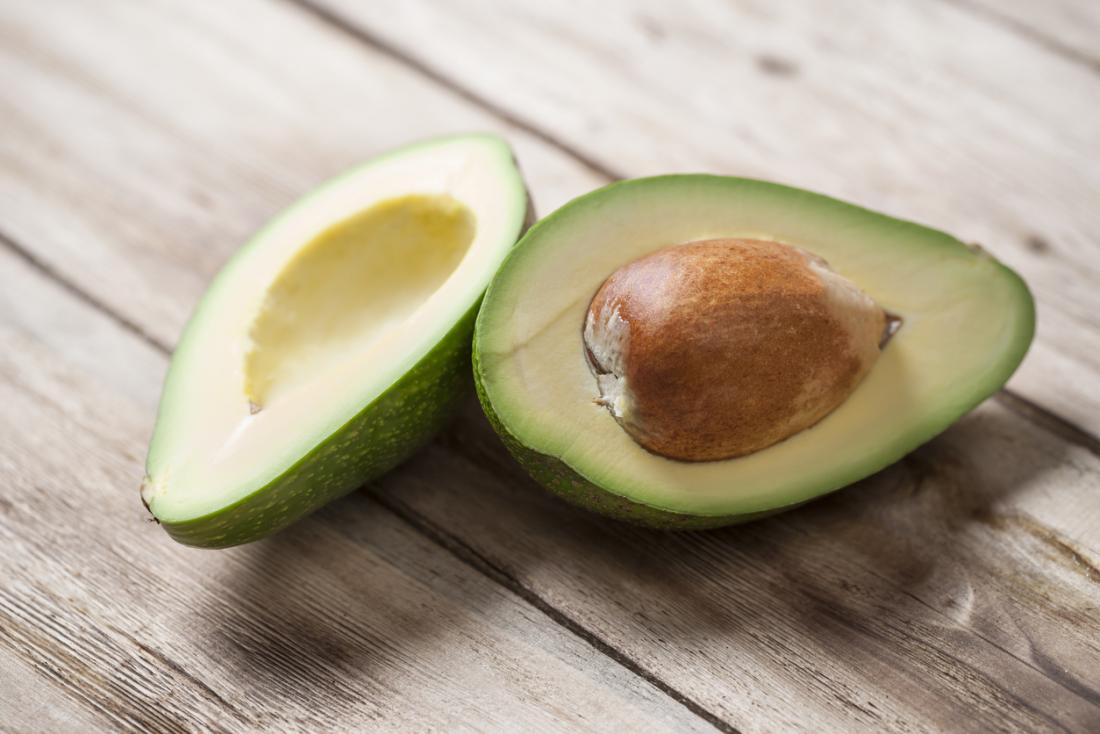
352, 619
918, 596
176, 104
1067, 27
957, 590
922, 110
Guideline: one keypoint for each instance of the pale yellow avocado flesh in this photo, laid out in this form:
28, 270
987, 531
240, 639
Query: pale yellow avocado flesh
967, 323
327, 347
337, 298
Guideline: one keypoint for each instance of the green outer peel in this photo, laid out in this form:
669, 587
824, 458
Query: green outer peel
382, 435
386, 431
575, 487
559, 478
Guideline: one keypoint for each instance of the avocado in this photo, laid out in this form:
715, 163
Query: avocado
691, 351
334, 343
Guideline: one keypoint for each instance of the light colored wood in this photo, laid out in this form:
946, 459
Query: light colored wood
922, 110
708, 607
351, 620
206, 127
1070, 27
28, 698
955, 591
920, 595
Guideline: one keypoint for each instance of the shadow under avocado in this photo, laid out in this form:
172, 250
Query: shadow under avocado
885, 533
333, 606
861, 585
317, 599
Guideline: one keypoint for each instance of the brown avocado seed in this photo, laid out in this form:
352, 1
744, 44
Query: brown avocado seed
718, 348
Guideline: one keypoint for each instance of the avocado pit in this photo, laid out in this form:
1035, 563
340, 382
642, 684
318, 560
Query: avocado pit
718, 348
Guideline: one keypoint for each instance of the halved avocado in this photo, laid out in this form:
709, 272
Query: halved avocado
966, 323
334, 343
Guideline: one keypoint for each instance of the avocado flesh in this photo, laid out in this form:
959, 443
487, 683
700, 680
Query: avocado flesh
334, 343
967, 323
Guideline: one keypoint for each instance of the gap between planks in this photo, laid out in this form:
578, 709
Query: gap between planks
1028, 33
1056, 349
417, 522
468, 555
476, 561
335, 21
1017, 403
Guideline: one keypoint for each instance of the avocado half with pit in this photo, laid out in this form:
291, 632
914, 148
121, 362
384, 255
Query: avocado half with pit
692, 351
334, 343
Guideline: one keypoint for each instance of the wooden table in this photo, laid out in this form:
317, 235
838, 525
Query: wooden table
142, 141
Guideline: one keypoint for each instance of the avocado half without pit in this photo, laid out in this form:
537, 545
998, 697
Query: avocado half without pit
693, 351
334, 343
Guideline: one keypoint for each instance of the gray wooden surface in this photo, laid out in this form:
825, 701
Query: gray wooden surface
141, 142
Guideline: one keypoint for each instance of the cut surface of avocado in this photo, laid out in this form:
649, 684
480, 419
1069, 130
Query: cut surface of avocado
965, 324
334, 343
353, 283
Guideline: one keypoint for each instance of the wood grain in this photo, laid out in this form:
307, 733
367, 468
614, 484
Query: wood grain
923, 110
351, 620
205, 129
957, 590
906, 594
1066, 27
27, 700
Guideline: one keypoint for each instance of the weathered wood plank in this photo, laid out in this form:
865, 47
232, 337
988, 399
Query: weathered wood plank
1069, 27
352, 620
28, 698
825, 632
923, 110
880, 608
884, 595
207, 127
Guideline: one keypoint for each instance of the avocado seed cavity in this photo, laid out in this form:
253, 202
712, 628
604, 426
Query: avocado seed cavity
718, 348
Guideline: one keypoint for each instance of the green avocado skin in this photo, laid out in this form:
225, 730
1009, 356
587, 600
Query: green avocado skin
383, 434
560, 479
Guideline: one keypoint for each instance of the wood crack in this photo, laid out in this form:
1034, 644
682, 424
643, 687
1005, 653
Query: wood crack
41, 643
1028, 33
826, 609
1021, 406
79, 293
1058, 673
361, 35
1070, 556
1009, 398
469, 556
420, 524
141, 667
179, 670
486, 462
1048, 420
1043, 666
